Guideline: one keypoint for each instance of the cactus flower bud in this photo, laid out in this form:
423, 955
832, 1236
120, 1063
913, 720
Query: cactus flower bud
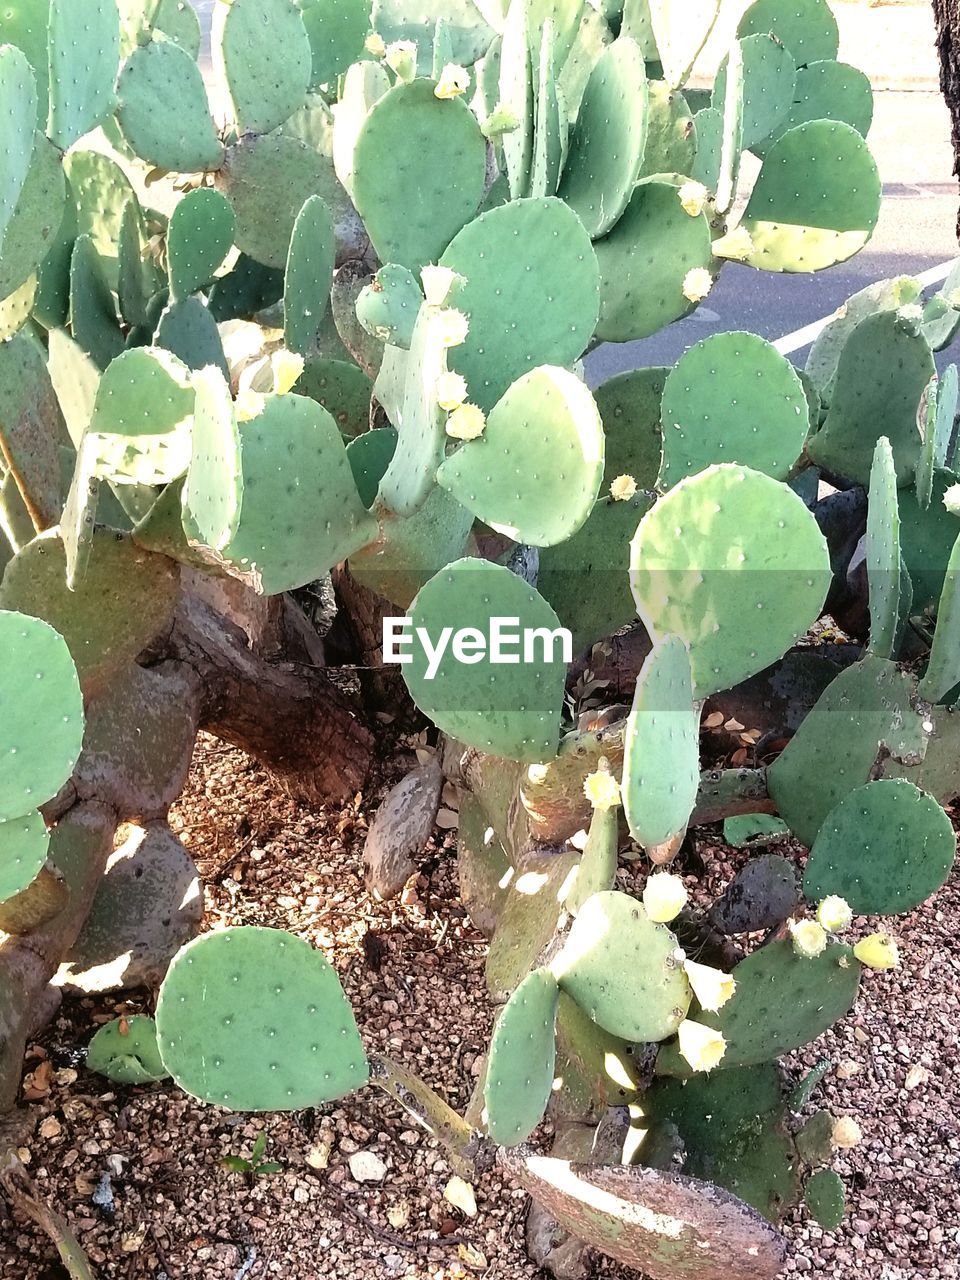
451, 391
693, 196
454, 81
452, 328
911, 311
736, 245
664, 896
437, 283
287, 368
623, 488
697, 283
809, 939
951, 499
601, 788
847, 1134
374, 44
501, 120
466, 423
712, 987
401, 58
879, 951
702, 1047
834, 914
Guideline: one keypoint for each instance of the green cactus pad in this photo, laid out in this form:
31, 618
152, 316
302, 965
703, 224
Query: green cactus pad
827, 91
342, 389
336, 30
41, 711
174, 18
943, 670
826, 1199
518, 95
309, 275
754, 830
724, 570
680, 33
133, 294
246, 289
535, 472
623, 969
364, 84
410, 477
25, 23
937, 774
645, 260
815, 1139
732, 1125
552, 129
769, 80
411, 212
520, 1066
731, 134
528, 922
507, 710
671, 134
402, 20
18, 109
125, 600
927, 537
883, 552
268, 180
608, 140
267, 61
93, 311
31, 425
163, 110
189, 331
816, 201
84, 52
24, 842
142, 418
51, 306
708, 124
126, 1051
807, 27
101, 192
661, 764
388, 307
546, 284
256, 1020
291, 449
941, 416
483, 868
732, 398
199, 237
598, 1070
869, 711
886, 848
598, 863
883, 370
214, 485
15, 309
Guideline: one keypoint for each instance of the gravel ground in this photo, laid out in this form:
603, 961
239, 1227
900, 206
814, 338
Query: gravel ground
414, 973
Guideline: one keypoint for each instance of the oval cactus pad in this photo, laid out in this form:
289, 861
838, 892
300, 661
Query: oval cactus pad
522, 1056
256, 1020
23, 851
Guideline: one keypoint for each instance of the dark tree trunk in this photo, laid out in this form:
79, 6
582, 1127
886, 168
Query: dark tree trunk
947, 16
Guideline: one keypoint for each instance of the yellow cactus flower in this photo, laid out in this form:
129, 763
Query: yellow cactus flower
466, 423
809, 938
664, 896
697, 283
847, 1134
249, 405
452, 327
437, 283
879, 951
451, 390
693, 196
374, 44
712, 987
601, 788
623, 488
702, 1047
835, 914
736, 245
454, 81
287, 368
401, 58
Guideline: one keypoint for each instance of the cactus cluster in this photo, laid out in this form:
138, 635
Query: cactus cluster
351, 332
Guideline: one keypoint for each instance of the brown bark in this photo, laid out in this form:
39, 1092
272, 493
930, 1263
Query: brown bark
947, 16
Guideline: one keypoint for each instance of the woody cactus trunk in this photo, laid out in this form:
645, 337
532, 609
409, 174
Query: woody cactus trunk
292, 353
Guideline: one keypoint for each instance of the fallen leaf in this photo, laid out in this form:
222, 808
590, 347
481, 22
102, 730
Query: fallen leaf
460, 1194
734, 726
471, 1257
714, 720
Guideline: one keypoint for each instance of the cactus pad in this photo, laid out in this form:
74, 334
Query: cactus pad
336, 30
527, 924
411, 549
828, 90
37, 220
545, 284
309, 275
943, 670
816, 201
520, 1067
724, 569
24, 842
769, 80
18, 107
927, 537
267, 61
518, 94
807, 27
163, 110
93, 311
126, 1051
597, 871
342, 389
412, 212
41, 712
623, 969
883, 552
661, 764
199, 237
885, 848
411, 475
535, 472
388, 307
402, 20
645, 260
214, 485
824, 1196
256, 1020
608, 140
84, 56
732, 398
938, 429
504, 709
